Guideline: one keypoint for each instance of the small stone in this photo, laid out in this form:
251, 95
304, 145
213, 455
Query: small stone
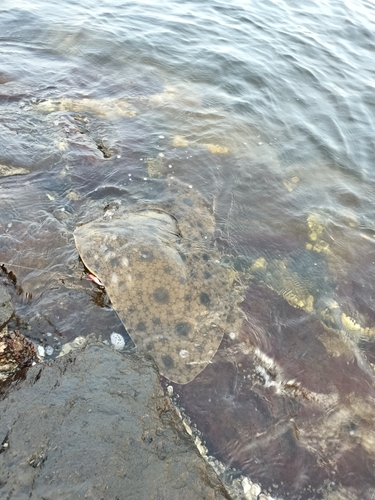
117, 341
41, 351
49, 350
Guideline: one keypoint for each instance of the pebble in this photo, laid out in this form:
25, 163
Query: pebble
49, 350
41, 351
117, 341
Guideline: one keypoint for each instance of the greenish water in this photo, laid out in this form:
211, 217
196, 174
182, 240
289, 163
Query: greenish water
267, 110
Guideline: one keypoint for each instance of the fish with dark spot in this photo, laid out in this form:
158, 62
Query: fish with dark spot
172, 296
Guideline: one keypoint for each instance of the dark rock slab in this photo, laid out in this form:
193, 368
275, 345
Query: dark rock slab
96, 424
6, 307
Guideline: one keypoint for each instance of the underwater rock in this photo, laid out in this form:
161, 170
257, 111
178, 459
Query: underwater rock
181, 142
4, 78
6, 171
286, 404
104, 108
96, 424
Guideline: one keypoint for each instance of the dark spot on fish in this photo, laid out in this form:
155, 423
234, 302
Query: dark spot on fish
161, 295
168, 361
353, 426
205, 257
182, 329
156, 321
207, 275
231, 319
204, 298
149, 346
115, 262
141, 327
182, 281
188, 202
146, 255
167, 270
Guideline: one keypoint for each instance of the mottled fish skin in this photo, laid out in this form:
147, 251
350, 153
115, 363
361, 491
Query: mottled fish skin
165, 280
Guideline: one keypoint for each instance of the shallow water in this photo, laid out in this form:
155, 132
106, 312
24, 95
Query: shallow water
267, 110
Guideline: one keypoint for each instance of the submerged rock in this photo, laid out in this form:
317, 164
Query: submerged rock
6, 171
104, 108
286, 404
96, 424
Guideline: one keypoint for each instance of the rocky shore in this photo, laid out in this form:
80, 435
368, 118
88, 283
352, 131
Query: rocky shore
96, 424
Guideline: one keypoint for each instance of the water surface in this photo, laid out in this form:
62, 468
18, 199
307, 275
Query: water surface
267, 110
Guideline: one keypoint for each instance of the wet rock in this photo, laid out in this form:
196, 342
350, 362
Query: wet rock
6, 307
16, 352
96, 424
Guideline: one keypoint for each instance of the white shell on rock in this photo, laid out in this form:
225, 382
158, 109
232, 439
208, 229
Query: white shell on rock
117, 341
